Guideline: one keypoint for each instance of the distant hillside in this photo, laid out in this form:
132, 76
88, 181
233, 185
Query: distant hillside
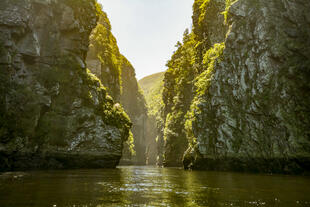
148, 82
152, 88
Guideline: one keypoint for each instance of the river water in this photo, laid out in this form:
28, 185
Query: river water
150, 186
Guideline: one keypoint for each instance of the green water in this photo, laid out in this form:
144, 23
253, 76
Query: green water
151, 186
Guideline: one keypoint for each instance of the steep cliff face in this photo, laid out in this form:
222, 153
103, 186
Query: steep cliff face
251, 63
134, 104
53, 112
118, 76
103, 57
177, 96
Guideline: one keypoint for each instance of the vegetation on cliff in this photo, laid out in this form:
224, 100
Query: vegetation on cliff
53, 112
227, 90
104, 57
235, 95
152, 87
118, 76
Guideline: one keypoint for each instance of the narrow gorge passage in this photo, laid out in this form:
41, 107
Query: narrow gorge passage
117, 74
130, 116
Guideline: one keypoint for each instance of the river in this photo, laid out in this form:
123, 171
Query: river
150, 186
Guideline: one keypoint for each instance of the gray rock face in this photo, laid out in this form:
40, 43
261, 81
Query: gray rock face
135, 106
53, 112
251, 111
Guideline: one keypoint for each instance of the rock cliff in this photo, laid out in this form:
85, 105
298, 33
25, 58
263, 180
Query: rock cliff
103, 57
246, 67
53, 112
133, 100
118, 76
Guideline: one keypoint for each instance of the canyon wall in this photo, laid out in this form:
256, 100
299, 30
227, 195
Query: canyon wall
133, 101
53, 112
245, 67
118, 76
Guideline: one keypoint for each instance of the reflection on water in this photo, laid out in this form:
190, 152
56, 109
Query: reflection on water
151, 186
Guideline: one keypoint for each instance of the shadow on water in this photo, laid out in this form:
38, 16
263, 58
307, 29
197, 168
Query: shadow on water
151, 186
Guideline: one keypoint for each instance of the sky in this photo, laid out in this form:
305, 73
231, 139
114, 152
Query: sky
148, 30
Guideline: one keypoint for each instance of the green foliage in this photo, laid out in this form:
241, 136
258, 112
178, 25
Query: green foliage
202, 12
148, 83
199, 14
92, 93
202, 84
45, 117
177, 96
152, 88
130, 146
118, 76
188, 77
103, 46
99, 11
181, 71
229, 3
210, 58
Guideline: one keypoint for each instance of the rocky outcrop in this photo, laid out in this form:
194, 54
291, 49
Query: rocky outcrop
53, 112
251, 63
118, 76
